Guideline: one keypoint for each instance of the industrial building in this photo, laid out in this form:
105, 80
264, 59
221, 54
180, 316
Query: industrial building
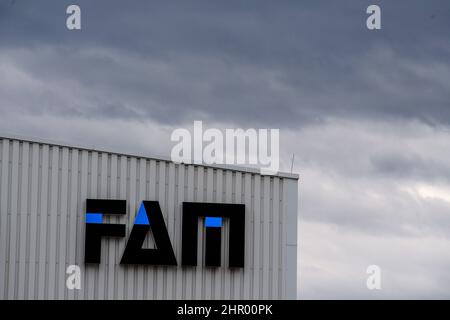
45, 214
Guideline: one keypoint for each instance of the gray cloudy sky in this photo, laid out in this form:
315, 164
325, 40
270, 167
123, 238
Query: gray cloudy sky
366, 113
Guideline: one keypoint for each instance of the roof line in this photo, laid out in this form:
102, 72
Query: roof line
152, 157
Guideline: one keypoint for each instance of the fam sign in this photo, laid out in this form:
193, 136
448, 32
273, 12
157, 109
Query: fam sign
150, 217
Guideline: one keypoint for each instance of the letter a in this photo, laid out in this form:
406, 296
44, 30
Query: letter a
374, 20
73, 21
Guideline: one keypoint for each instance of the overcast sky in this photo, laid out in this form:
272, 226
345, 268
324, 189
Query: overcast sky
366, 113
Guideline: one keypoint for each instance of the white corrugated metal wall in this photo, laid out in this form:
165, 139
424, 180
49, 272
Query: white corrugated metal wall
43, 188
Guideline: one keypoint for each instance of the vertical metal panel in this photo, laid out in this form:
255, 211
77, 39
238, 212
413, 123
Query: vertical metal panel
256, 232
276, 265
121, 245
23, 214
4, 158
43, 189
290, 246
72, 212
13, 216
265, 237
33, 210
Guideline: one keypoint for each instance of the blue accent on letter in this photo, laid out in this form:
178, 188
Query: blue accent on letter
141, 217
94, 217
215, 222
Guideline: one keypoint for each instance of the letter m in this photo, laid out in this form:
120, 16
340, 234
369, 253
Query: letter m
212, 215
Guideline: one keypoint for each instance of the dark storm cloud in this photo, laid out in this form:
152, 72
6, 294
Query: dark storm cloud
376, 178
247, 62
409, 165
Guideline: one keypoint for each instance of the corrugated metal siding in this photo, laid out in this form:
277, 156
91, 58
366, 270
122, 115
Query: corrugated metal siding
43, 189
